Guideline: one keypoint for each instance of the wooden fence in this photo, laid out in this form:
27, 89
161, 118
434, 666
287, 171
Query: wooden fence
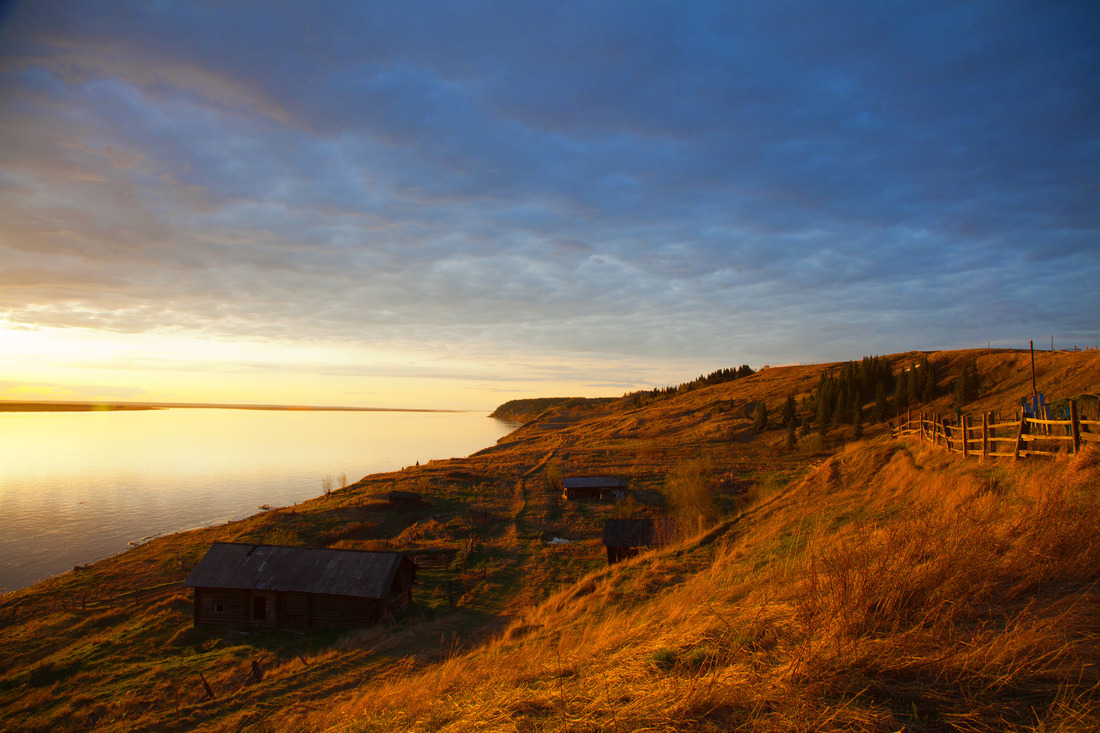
1021, 436
85, 602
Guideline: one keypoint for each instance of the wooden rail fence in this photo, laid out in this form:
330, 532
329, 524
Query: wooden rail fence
1022, 436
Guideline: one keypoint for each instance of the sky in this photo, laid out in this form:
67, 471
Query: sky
450, 205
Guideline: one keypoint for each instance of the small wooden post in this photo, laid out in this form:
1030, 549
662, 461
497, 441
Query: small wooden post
985, 436
1020, 434
209, 690
909, 422
962, 424
1075, 425
922, 427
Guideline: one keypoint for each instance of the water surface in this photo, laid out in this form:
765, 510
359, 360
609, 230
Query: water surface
77, 487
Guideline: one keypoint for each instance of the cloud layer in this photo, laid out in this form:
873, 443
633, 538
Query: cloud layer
658, 183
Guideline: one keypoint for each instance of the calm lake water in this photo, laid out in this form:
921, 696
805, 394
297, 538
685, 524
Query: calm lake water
76, 487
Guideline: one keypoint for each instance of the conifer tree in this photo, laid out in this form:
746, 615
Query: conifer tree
967, 385
790, 413
901, 392
843, 410
930, 390
881, 408
822, 416
760, 418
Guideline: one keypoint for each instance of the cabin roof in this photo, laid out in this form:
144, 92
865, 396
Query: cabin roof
592, 482
354, 573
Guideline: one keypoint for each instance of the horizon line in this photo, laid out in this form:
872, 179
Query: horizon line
218, 405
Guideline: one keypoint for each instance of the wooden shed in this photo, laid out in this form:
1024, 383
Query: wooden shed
268, 586
625, 538
593, 487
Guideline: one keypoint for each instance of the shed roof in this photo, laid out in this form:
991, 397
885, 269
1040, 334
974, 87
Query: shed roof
645, 532
354, 573
592, 482
627, 532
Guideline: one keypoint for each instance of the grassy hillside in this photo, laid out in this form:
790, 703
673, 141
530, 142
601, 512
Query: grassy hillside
836, 584
893, 588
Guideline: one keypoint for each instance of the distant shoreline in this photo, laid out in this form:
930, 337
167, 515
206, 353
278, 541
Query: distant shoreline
91, 406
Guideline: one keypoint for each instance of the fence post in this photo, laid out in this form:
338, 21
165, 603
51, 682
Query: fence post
965, 432
1020, 434
921, 417
1075, 425
985, 435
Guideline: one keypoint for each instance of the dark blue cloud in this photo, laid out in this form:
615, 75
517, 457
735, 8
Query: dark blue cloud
725, 181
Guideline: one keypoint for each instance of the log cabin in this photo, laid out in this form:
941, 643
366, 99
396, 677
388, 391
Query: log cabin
245, 586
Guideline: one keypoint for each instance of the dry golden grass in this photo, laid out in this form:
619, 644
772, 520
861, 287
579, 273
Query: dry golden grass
920, 593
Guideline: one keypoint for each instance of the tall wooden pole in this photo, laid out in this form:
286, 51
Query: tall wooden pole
1075, 426
1034, 392
985, 436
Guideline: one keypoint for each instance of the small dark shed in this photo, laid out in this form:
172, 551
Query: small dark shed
269, 586
593, 487
625, 538
404, 499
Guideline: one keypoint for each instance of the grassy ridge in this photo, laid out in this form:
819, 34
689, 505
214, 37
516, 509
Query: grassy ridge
842, 585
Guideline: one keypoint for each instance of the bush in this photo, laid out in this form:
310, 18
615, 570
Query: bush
687, 488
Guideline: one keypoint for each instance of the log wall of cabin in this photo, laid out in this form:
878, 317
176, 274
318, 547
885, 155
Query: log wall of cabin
221, 607
345, 611
233, 608
296, 610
